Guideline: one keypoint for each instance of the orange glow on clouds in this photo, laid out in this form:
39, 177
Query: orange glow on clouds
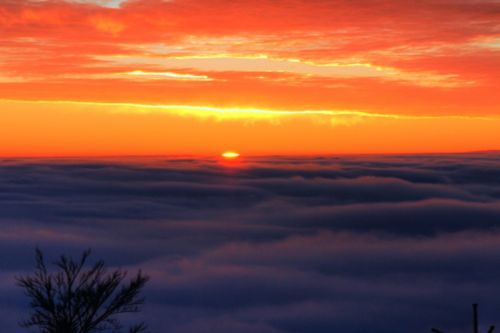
274, 77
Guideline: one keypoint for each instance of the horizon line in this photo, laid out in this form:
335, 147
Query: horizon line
243, 156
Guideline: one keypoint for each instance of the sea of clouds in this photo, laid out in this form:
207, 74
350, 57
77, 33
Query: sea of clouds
375, 244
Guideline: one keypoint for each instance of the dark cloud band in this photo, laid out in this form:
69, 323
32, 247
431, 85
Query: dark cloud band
279, 245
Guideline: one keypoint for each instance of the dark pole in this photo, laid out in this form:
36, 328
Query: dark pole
476, 324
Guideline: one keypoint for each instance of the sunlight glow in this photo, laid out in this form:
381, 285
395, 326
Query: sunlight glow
58, 128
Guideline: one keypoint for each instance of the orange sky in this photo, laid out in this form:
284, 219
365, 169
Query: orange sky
258, 76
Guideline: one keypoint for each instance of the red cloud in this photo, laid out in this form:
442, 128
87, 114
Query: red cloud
58, 40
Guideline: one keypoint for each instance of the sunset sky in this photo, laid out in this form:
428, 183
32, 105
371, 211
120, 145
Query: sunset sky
198, 77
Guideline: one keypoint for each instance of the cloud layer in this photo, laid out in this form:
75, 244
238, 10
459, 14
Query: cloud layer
438, 57
377, 244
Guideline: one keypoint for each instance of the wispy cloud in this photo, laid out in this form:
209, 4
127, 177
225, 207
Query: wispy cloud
228, 113
167, 75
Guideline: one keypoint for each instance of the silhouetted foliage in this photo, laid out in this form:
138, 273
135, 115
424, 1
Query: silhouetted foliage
475, 322
80, 298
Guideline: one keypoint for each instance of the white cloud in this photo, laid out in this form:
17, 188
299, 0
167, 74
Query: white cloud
104, 3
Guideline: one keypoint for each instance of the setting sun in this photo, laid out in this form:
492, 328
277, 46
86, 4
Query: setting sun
230, 155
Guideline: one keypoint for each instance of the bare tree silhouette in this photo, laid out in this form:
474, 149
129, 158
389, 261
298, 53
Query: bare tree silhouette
80, 298
475, 321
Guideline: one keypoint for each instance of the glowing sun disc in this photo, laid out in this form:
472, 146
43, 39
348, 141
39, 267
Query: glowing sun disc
230, 155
